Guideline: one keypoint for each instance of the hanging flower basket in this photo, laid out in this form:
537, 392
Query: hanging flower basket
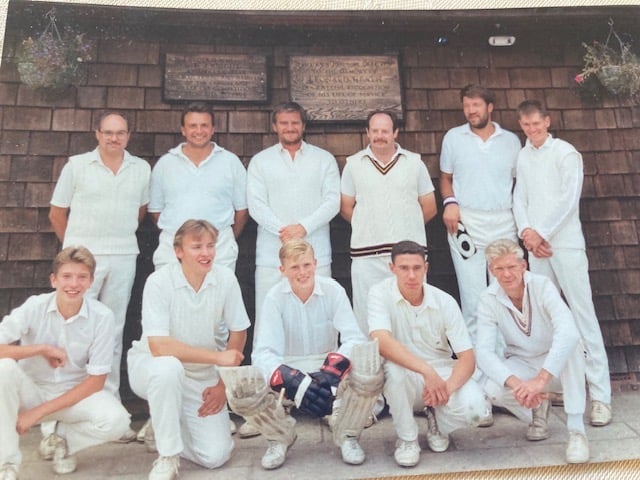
617, 68
53, 61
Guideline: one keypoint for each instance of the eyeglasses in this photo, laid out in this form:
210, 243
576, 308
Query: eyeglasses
118, 134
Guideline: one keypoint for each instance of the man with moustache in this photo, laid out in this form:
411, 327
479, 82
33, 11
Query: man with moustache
546, 206
477, 167
99, 199
199, 179
293, 191
387, 196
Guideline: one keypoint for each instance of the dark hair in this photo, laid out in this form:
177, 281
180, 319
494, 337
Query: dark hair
289, 107
389, 113
408, 247
477, 91
197, 107
106, 113
529, 107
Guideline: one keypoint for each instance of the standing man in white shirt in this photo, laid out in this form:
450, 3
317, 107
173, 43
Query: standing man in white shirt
477, 167
98, 202
387, 196
199, 179
546, 207
293, 191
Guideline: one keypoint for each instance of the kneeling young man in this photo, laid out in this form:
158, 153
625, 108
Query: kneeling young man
57, 369
186, 307
419, 327
543, 349
297, 332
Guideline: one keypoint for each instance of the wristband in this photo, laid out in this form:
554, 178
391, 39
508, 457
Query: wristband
449, 200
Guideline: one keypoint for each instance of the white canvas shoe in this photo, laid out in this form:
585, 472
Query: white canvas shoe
63, 463
352, 452
600, 414
407, 453
48, 446
436, 440
9, 471
247, 430
577, 448
275, 455
143, 431
165, 468
538, 428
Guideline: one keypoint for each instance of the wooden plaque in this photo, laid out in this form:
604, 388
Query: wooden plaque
225, 78
337, 88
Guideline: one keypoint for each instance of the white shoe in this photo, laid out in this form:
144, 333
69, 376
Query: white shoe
577, 448
63, 463
436, 440
165, 468
232, 427
150, 439
128, 436
247, 430
486, 422
142, 431
9, 471
538, 428
600, 414
407, 453
275, 455
351, 451
48, 446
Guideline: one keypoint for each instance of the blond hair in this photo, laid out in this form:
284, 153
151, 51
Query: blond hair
74, 254
292, 249
499, 248
196, 228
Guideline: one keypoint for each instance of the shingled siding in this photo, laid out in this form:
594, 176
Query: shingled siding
38, 135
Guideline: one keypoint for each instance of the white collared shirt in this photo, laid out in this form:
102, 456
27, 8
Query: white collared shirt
430, 332
214, 190
483, 171
553, 335
283, 191
103, 206
87, 338
287, 327
172, 308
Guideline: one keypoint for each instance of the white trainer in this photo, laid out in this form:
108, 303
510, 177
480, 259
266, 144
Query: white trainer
275, 455
247, 430
165, 468
600, 414
150, 439
63, 463
577, 448
48, 446
436, 440
232, 427
351, 451
9, 471
143, 431
128, 436
407, 453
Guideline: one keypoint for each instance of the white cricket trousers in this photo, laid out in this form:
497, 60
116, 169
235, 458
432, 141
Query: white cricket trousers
174, 400
112, 284
99, 418
226, 249
570, 382
365, 273
467, 407
568, 268
267, 277
471, 273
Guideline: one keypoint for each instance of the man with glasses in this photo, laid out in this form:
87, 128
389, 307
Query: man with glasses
98, 202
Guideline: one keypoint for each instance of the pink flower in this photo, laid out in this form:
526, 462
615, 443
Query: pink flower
579, 78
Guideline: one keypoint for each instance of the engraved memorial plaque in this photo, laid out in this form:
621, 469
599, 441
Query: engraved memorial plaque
225, 78
339, 88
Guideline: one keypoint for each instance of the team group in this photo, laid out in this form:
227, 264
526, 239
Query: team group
404, 344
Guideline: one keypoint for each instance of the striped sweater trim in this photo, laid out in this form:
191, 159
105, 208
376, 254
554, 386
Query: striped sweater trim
373, 250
